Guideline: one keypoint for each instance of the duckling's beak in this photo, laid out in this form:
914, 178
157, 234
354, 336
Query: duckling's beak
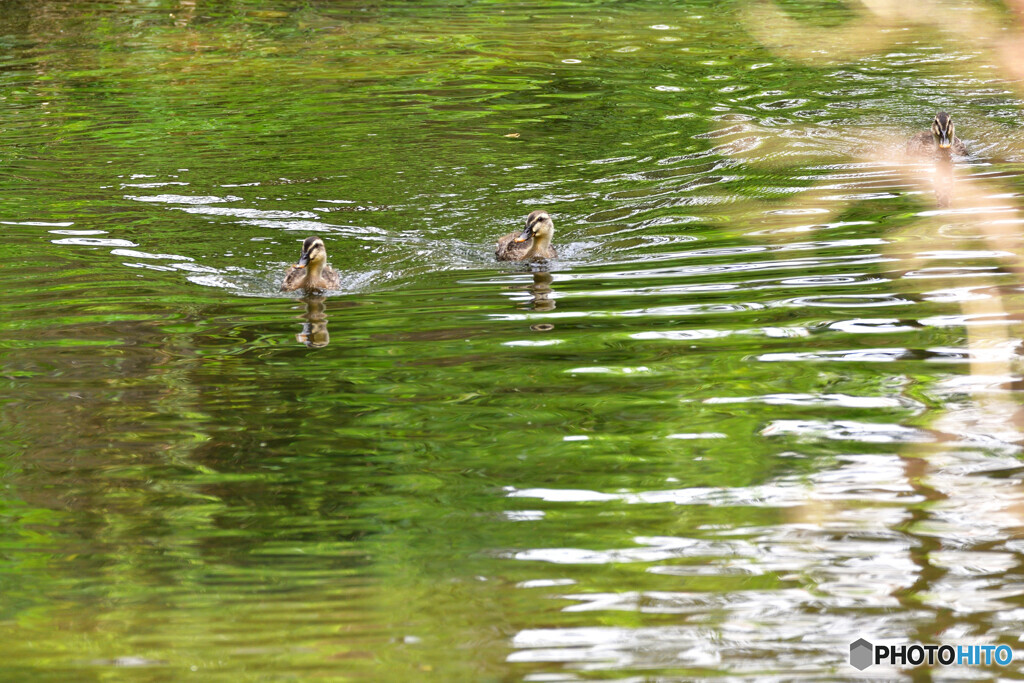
944, 141
303, 260
526, 234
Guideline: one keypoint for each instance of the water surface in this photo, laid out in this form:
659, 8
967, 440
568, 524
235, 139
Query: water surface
765, 402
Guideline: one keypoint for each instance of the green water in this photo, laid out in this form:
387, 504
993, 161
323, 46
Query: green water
765, 402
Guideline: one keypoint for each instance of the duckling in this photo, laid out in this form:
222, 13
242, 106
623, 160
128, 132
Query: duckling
939, 140
318, 275
534, 242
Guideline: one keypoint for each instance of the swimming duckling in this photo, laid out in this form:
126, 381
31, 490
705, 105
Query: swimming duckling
534, 242
939, 140
318, 275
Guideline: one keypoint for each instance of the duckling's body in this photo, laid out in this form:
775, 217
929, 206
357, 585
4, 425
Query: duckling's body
534, 242
939, 140
923, 144
311, 272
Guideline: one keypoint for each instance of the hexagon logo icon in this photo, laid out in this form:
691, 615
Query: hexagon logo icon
861, 652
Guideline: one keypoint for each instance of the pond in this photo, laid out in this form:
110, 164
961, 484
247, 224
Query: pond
765, 402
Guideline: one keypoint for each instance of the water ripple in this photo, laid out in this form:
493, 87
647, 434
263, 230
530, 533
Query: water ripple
767, 398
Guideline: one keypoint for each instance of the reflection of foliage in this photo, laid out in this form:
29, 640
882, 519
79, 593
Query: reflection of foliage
227, 473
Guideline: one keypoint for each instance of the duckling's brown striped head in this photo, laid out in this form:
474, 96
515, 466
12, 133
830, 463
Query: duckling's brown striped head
942, 130
538, 225
313, 250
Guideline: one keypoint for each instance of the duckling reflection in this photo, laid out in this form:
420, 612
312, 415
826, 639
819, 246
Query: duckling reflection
534, 242
541, 291
314, 332
943, 181
938, 141
317, 276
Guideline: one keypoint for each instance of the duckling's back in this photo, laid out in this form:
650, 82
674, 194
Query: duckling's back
294, 279
510, 250
922, 144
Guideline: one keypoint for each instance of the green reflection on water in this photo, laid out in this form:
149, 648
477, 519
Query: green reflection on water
188, 486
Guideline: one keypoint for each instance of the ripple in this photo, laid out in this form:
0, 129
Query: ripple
147, 186
849, 301
827, 400
847, 430
248, 213
696, 488
682, 335
143, 254
46, 224
818, 280
877, 478
545, 583
95, 242
783, 104
689, 436
182, 199
534, 342
851, 355
651, 550
872, 326
602, 370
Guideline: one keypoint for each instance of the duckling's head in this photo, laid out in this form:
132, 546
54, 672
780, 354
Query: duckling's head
313, 251
538, 226
942, 129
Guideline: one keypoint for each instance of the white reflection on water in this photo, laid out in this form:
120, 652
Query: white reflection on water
95, 242
833, 400
847, 547
145, 254
846, 430
183, 199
